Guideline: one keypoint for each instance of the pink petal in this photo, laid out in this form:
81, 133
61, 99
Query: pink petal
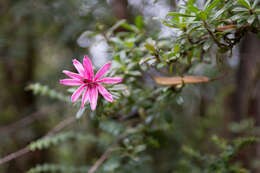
72, 75
88, 67
71, 82
93, 96
84, 98
105, 93
78, 66
102, 71
77, 93
110, 80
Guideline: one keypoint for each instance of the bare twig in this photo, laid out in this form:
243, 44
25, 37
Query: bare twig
26, 150
21, 123
61, 125
221, 45
24, 122
14, 155
100, 160
105, 155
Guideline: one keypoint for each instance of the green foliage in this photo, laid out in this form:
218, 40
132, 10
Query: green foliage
223, 161
44, 90
220, 23
50, 168
148, 121
59, 139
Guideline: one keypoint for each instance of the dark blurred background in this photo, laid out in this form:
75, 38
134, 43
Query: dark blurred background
38, 39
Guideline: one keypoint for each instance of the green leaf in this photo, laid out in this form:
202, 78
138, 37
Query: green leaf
169, 24
257, 10
135, 73
207, 45
150, 48
130, 27
251, 19
140, 148
203, 15
239, 9
111, 164
219, 12
177, 48
210, 5
80, 113
255, 3
190, 6
245, 3
238, 16
139, 22
179, 14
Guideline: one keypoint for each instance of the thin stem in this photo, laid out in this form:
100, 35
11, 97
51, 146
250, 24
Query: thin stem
100, 161
105, 155
221, 45
26, 150
14, 155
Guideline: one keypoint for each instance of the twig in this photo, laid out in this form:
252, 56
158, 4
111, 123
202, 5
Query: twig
60, 126
26, 150
21, 123
100, 160
219, 77
14, 155
24, 121
221, 45
104, 155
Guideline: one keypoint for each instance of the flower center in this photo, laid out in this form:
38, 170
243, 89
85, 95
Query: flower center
87, 81
90, 83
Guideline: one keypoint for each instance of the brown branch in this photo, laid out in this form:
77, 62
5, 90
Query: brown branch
100, 160
221, 45
21, 123
14, 155
26, 150
24, 122
105, 155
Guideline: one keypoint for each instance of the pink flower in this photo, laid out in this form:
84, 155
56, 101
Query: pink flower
90, 85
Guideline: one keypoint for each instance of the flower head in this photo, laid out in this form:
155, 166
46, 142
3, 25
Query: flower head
89, 85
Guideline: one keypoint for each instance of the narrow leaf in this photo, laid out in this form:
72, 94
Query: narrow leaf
245, 3
179, 14
180, 80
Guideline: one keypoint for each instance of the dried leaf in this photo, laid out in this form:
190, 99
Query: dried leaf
223, 28
180, 80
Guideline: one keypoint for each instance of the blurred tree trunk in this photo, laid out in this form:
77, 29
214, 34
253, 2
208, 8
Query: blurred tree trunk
120, 8
247, 95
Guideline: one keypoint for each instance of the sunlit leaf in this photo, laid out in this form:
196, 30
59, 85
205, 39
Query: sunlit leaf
245, 3
179, 14
150, 48
139, 22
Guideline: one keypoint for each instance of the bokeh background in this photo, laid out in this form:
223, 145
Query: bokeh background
38, 39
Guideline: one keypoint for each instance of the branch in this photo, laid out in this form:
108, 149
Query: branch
100, 160
104, 155
24, 122
221, 45
26, 150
